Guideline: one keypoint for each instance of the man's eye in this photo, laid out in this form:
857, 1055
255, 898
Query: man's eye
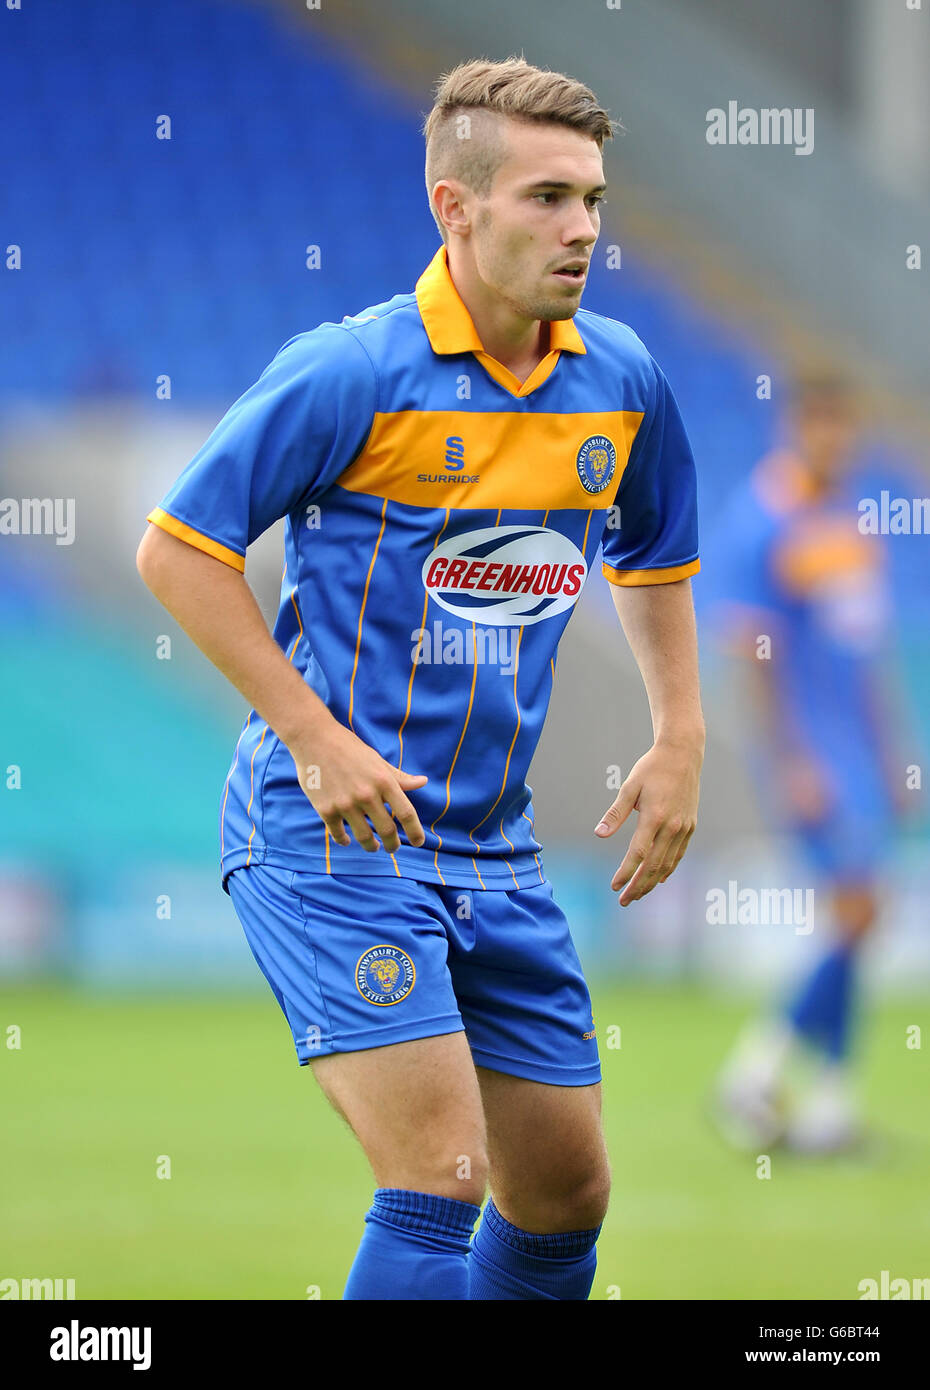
594, 199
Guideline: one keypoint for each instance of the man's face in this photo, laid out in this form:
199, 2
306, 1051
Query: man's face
826, 431
542, 213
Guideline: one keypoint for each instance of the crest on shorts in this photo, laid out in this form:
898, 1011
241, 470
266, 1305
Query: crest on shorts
385, 975
596, 462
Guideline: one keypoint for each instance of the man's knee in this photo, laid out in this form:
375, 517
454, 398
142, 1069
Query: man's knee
443, 1166
586, 1206
446, 1156
559, 1203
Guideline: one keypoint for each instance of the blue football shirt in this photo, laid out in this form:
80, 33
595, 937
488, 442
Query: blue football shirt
441, 521
794, 566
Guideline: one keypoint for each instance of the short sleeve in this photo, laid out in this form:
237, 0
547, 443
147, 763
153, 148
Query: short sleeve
651, 535
742, 593
281, 444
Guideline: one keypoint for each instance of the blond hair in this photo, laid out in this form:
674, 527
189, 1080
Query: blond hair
483, 91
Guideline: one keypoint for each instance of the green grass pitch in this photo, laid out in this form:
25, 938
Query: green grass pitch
268, 1189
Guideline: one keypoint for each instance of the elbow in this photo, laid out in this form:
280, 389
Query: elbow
148, 558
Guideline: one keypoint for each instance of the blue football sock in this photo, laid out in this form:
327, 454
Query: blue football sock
415, 1246
821, 1009
507, 1263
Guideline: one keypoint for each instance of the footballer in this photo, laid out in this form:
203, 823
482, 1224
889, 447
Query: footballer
454, 456
827, 750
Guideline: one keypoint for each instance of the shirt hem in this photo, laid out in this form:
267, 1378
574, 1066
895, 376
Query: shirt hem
519, 871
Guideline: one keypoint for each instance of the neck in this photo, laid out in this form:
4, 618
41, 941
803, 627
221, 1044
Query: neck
518, 343
822, 482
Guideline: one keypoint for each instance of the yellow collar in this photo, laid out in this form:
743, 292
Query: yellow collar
449, 325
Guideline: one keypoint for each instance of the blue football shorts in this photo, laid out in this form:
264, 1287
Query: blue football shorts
846, 849
360, 961
851, 842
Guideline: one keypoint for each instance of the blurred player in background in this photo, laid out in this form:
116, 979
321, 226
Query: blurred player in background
808, 608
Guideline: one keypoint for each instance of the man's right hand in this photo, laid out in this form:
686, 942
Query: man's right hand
345, 780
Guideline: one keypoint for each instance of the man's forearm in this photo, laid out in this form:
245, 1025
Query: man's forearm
778, 726
658, 621
216, 608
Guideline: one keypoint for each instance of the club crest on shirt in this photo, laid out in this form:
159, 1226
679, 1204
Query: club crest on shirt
596, 462
385, 975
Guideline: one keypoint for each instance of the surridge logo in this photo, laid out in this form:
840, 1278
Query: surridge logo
505, 575
455, 462
455, 451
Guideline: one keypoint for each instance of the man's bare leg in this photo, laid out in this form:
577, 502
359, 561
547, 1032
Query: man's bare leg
550, 1182
415, 1108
